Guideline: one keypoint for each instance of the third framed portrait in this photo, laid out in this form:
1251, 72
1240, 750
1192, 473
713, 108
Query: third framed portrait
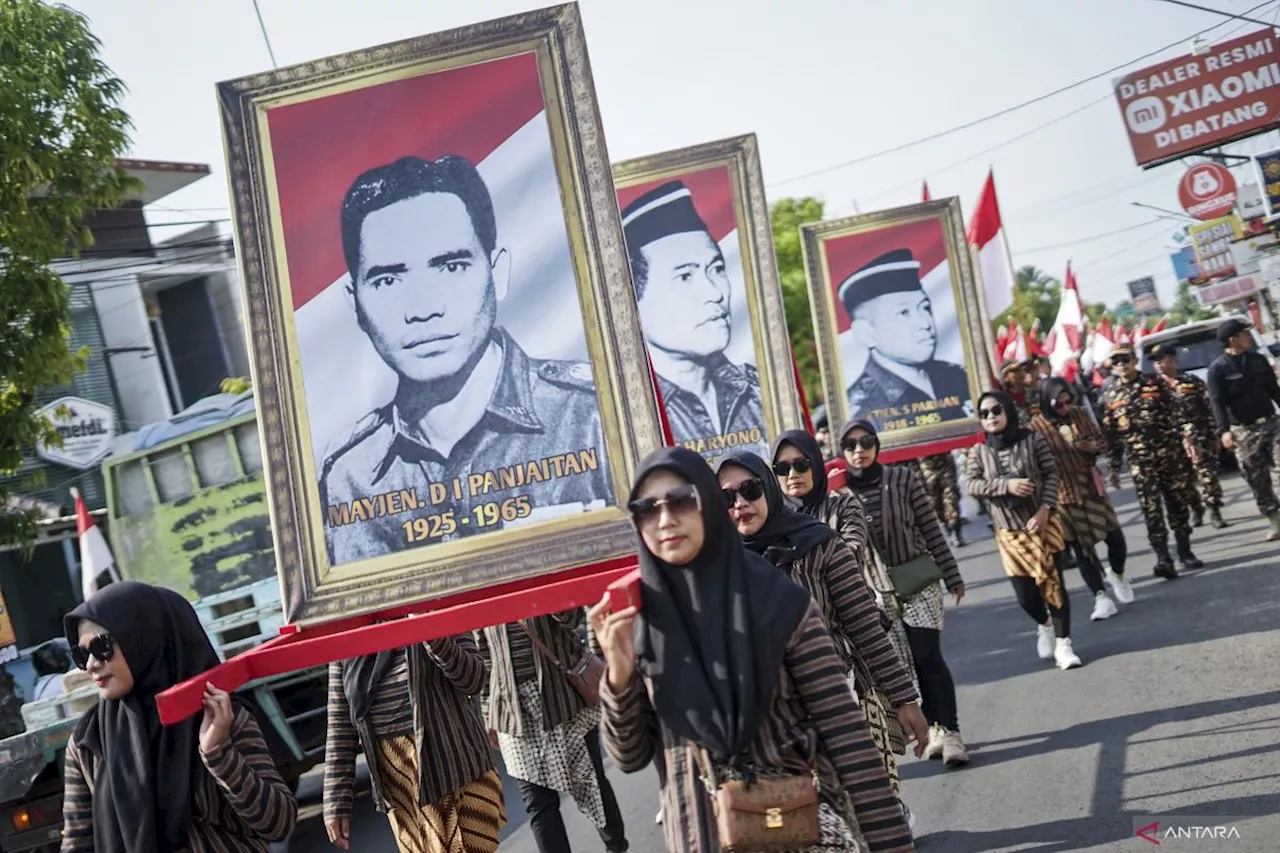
450, 376
700, 247
898, 321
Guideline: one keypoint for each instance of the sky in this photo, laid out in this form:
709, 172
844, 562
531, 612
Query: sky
821, 83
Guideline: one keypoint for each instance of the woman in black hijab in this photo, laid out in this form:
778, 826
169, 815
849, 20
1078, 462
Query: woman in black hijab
1015, 473
134, 786
730, 660
903, 526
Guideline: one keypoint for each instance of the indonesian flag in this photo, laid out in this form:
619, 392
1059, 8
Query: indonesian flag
1019, 349
1123, 335
1103, 342
95, 555
1066, 333
986, 235
1086, 354
925, 196
1033, 339
1139, 332
489, 113
1159, 327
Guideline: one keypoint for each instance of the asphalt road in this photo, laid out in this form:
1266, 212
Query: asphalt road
1174, 717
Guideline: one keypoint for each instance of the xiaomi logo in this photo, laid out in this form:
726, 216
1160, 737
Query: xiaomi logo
1145, 115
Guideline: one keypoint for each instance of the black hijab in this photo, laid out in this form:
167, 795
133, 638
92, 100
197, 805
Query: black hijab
1013, 431
1050, 390
712, 634
812, 503
144, 793
862, 479
786, 535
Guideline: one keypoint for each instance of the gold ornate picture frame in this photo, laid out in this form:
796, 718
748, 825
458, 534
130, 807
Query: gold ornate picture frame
899, 322
700, 241
451, 382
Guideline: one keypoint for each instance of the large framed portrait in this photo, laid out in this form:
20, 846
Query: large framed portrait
450, 377
898, 321
700, 246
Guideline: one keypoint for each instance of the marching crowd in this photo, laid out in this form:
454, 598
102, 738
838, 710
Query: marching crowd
787, 652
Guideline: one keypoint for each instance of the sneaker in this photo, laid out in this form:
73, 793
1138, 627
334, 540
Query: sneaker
1065, 655
954, 753
937, 743
1215, 516
1103, 607
1120, 588
1164, 569
1044, 642
1274, 534
658, 819
1197, 517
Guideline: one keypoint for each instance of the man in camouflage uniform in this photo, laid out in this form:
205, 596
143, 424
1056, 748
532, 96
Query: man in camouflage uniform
1138, 421
938, 472
1199, 435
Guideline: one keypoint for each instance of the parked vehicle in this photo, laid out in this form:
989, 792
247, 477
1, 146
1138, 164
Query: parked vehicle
187, 510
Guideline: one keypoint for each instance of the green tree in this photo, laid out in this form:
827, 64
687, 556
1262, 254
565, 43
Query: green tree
787, 215
1186, 308
61, 132
1036, 296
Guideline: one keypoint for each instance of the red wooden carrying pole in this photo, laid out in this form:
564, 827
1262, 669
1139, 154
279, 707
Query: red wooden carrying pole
804, 398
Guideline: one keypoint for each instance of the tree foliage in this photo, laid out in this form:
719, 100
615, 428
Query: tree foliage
1036, 296
61, 132
1186, 308
787, 215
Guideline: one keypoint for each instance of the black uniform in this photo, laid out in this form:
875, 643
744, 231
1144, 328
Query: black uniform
1243, 392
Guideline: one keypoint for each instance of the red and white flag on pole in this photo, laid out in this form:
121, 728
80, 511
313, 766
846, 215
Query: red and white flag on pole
95, 555
986, 235
926, 196
1068, 326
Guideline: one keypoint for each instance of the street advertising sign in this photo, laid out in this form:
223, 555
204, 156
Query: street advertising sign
8, 638
1184, 264
1268, 163
1247, 252
86, 429
1193, 103
1207, 191
1230, 290
1212, 243
1142, 293
1249, 202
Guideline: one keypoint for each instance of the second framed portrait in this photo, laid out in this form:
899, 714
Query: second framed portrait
700, 247
898, 321
449, 369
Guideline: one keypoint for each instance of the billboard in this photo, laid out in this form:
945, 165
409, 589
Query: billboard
1192, 103
1212, 243
1268, 163
1142, 292
8, 639
1184, 264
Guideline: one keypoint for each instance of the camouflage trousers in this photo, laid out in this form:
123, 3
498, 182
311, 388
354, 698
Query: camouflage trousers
1257, 446
1206, 471
1160, 493
940, 481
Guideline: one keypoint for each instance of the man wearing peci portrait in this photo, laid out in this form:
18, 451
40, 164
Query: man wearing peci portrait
478, 434
684, 295
893, 318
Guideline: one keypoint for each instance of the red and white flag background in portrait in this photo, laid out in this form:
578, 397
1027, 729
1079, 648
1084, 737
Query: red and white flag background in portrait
712, 193
846, 255
986, 235
492, 114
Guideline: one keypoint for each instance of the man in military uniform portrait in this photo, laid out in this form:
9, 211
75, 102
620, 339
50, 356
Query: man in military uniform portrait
893, 317
1138, 421
1199, 436
478, 433
684, 295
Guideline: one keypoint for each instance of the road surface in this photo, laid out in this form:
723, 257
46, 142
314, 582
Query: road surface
1176, 712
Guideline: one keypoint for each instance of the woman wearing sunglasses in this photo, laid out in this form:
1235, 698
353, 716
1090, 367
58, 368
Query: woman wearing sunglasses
1015, 473
818, 558
730, 669
135, 786
902, 526
1075, 442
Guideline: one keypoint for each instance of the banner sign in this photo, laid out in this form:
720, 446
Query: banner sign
1142, 292
1231, 290
1212, 243
1249, 203
86, 429
8, 638
1207, 191
1269, 175
1193, 103
1184, 264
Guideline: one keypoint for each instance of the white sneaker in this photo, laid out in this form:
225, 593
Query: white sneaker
1065, 655
1123, 591
1044, 642
658, 819
1103, 607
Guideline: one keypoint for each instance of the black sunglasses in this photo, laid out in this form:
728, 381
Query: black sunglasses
679, 500
800, 466
102, 647
1120, 359
751, 490
865, 442
994, 412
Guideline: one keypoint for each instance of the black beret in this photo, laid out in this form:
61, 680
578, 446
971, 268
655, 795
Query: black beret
1159, 351
893, 272
1231, 328
659, 213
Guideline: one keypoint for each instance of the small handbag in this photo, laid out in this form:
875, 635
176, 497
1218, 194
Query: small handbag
584, 676
768, 814
909, 578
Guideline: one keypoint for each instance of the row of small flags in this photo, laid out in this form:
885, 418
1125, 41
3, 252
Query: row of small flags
1071, 345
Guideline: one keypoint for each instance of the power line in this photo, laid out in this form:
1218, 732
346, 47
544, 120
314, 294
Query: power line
1070, 243
975, 122
1222, 12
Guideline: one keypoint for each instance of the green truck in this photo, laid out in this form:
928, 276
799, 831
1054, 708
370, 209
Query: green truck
187, 510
